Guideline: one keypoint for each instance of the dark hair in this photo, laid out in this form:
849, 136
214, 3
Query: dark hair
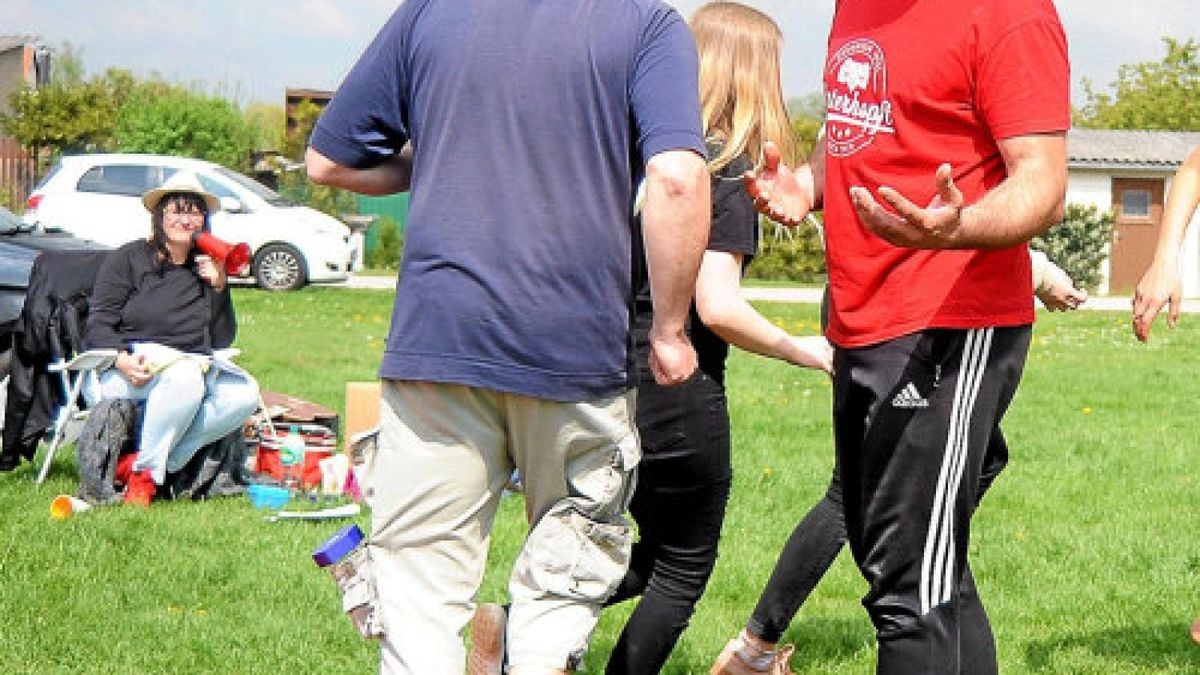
158, 236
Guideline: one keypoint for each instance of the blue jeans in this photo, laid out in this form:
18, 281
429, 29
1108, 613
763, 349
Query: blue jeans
186, 409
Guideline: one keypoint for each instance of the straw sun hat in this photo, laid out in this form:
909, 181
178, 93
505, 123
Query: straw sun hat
181, 181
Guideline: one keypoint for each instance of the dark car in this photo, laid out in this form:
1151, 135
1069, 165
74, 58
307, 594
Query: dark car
20, 244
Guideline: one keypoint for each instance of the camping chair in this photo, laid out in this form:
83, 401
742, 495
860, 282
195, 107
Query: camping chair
72, 373
49, 331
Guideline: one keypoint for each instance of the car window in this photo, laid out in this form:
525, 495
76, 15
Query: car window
117, 179
9, 222
216, 187
46, 179
262, 191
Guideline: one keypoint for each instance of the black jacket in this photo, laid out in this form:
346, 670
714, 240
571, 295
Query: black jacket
51, 326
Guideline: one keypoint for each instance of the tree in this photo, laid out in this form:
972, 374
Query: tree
1150, 95
267, 122
62, 117
166, 119
305, 117
808, 116
67, 66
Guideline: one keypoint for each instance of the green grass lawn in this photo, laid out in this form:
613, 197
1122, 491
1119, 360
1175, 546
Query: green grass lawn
1085, 550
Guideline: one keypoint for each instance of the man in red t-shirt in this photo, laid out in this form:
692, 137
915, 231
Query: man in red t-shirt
944, 153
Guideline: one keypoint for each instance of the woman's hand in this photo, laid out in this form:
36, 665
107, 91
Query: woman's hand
134, 368
813, 351
211, 271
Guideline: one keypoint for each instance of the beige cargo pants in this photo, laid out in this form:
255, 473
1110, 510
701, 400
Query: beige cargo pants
433, 483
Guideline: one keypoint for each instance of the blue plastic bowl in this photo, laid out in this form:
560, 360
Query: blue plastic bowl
268, 496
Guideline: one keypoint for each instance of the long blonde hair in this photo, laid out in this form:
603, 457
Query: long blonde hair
740, 94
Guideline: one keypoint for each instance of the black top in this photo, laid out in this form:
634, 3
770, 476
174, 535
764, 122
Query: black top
734, 230
135, 299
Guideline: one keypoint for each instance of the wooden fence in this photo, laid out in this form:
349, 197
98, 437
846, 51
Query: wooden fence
18, 173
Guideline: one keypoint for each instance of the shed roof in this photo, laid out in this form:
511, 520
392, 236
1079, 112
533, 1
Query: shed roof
8, 42
1113, 149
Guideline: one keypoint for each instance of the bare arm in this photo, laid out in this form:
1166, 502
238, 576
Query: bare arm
392, 176
675, 222
1053, 286
1025, 204
784, 194
722, 308
1160, 284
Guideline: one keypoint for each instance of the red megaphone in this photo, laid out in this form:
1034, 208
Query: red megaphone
235, 257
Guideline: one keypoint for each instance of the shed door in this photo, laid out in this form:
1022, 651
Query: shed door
1137, 219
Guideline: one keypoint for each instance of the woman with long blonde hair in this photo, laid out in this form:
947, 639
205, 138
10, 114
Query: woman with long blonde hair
685, 474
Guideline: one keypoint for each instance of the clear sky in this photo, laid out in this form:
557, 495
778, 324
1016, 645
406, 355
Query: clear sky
254, 49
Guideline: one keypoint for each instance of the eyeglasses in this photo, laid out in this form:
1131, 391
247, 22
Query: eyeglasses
181, 215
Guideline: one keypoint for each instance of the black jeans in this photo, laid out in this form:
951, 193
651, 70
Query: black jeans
679, 505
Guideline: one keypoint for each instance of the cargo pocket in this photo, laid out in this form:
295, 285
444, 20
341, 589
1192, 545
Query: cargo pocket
574, 556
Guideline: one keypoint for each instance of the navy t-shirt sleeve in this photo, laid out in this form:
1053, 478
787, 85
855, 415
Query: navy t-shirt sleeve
734, 220
665, 89
365, 122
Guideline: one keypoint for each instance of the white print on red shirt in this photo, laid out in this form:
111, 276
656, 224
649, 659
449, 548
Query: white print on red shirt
856, 97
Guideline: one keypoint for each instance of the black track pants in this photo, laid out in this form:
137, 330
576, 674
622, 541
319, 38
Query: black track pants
815, 543
912, 422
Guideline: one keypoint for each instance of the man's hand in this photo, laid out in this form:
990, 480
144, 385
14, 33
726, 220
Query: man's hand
783, 194
932, 227
672, 357
1159, 286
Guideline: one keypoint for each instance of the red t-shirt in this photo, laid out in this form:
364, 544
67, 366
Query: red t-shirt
909, 85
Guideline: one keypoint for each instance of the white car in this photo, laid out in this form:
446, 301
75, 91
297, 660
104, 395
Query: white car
98, 197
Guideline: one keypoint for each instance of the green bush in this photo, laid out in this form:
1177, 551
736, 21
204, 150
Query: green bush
389, 245
1079, 244
795, 254
166, 119
296, 186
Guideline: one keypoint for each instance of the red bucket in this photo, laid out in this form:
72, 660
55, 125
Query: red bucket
319, 443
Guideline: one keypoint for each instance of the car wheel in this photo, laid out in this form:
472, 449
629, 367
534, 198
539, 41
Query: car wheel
279, 267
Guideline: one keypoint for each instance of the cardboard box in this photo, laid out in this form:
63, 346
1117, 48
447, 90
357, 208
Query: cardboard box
362, 407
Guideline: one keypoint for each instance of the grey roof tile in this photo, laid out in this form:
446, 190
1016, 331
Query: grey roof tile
1109, 149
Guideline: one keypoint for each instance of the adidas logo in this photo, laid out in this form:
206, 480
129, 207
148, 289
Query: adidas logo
909, 397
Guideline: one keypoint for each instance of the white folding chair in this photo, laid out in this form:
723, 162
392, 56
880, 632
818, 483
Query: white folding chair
72, 374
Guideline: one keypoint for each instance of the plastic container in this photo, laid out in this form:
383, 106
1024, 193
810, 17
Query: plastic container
268, 496
319, 442
291, 456
347, 561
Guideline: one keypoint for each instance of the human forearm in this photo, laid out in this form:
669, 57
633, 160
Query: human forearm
739, 324
389, 177
675, 220
725, 312
223, 324
1179, 209
814, 173
1028, 202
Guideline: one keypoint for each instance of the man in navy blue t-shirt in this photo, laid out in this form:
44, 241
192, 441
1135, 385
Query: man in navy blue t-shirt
521, 129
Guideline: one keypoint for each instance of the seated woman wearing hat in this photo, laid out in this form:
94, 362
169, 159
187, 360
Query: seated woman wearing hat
165, 307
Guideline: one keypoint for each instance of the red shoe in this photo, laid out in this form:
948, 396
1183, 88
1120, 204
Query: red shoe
125, 468
141, 489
